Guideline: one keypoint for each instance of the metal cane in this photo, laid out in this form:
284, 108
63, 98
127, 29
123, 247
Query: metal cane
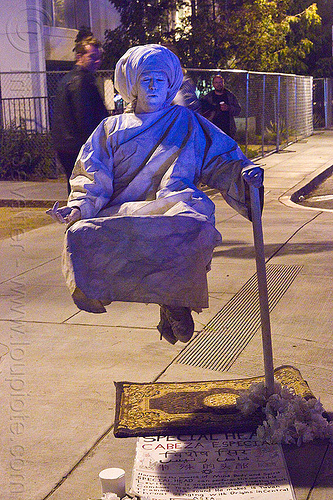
262, 287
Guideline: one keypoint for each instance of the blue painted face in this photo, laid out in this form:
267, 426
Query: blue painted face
152, 90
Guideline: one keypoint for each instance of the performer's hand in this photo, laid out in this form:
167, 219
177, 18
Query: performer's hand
254, 177
64, 215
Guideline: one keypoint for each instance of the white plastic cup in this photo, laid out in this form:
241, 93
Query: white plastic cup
113, 481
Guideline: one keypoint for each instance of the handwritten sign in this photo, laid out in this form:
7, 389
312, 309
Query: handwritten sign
210, 467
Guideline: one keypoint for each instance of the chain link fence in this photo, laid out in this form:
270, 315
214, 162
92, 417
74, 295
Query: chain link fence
276, 111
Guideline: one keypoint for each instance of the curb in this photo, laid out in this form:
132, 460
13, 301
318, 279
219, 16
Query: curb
29, 203
310, 186
292, 199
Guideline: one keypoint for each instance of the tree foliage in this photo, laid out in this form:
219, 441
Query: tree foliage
269, 36
142, 22
320, 61
257, 35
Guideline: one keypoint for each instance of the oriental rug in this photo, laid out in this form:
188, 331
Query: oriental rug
178, 408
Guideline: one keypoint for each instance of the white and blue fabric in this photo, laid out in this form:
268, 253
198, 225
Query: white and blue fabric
147, 231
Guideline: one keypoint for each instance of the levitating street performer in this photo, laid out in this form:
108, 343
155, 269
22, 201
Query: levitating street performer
139, 229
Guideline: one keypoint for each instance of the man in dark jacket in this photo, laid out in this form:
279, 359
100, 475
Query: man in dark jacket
79, 107
220, 106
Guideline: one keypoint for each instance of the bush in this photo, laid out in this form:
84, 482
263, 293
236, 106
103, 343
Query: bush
26, 155
285, 133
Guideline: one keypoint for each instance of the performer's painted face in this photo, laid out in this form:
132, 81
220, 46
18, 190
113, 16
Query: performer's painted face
152, 90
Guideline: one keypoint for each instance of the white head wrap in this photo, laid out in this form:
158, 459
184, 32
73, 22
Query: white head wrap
144, 58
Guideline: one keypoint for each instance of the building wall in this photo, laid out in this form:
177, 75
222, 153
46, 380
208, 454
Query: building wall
59, 41
22, 49
103, 16
29, 37
29, 40
21, 36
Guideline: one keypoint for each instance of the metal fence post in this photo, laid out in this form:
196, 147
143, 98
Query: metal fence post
278, 115
287, 113
247, 112
325, 102
328, 102
296, 106
263, 115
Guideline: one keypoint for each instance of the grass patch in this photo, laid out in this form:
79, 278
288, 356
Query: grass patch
15, 220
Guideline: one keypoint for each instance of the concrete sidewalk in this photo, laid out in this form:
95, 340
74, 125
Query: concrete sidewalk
27, 194
59, 364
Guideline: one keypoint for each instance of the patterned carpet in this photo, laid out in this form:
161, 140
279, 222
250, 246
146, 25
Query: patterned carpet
173, 408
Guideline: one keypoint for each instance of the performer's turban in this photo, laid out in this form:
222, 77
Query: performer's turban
147, 58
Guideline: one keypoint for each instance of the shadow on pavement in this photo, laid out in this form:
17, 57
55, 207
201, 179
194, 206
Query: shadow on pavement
247, 252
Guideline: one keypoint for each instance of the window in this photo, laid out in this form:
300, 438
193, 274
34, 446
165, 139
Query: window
67, 13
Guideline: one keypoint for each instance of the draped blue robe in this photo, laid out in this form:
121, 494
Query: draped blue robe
147, 231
